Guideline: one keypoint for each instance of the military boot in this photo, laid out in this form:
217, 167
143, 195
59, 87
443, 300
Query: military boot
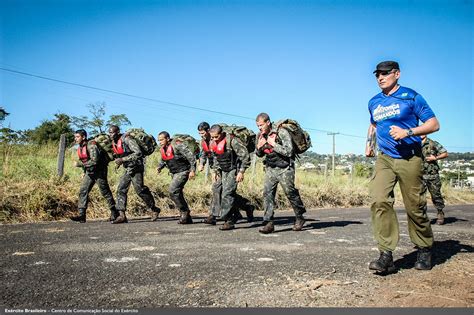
113, 214
81, 218
384, 264
210, 220
440, 219
227, 226
185, 218
299, 223
268, 228
155, 213
122, 218
423, 260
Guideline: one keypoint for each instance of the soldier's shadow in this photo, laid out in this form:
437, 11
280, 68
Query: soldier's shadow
318, 225
442, 252
448, 220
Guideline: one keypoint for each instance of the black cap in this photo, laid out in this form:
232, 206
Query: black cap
387, 66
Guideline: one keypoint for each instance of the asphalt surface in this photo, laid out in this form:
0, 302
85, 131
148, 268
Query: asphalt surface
147, 264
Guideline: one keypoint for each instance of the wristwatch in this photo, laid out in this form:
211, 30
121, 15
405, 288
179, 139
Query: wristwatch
410, 132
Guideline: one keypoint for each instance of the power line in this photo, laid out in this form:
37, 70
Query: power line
153, 99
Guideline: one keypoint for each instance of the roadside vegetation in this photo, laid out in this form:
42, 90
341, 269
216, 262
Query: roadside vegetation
30, 190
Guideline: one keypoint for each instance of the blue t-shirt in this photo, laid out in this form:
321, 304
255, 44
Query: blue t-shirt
404, 109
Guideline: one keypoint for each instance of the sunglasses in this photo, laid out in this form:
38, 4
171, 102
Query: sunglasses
384, 73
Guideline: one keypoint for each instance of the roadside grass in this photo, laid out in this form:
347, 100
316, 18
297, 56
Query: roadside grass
30, 189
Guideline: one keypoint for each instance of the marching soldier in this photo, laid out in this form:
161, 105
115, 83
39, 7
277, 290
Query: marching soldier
94, 163
433, 151
277, 147
231, 160
181, 163
128, 153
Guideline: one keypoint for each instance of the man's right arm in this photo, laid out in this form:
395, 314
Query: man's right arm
370, 143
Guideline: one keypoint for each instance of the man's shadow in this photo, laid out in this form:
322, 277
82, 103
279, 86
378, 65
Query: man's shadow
442, 252
448, 220
309, 225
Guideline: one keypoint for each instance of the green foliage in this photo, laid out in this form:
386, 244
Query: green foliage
363, 170
3, 114
51, 130
96, 123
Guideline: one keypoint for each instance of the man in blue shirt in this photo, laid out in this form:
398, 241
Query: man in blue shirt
394, 115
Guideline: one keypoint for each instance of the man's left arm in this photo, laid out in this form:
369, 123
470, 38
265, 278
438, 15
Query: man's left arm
135, 148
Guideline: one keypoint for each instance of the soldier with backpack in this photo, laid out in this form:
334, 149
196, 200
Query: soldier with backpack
181, 162
206, 156
129, 153
277, 145
231, 160
94, 164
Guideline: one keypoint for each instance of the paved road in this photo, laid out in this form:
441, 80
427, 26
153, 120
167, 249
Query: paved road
153, 264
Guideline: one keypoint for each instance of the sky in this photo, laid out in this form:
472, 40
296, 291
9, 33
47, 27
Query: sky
174, 64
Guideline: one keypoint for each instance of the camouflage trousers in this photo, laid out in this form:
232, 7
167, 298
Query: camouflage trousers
215, 208
408, 174
432, 183
86, 186
231, 201
134, 177
176, 190
286, 178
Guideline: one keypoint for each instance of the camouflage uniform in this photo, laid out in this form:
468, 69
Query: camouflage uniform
282, 172
95, 170
207, 157
239, 162
431, 179
180, 166
133, 164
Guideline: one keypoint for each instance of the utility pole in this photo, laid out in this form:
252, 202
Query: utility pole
333, 134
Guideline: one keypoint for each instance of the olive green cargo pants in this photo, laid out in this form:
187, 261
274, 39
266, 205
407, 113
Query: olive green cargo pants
408, 173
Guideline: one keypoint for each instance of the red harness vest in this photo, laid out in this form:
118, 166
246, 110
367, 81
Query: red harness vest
169, 154
219, 148
82, 153
118, 149
205, 147
270, 136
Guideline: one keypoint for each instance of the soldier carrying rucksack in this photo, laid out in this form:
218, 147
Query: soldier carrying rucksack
179, 155
94, 163
130, 150
279, 144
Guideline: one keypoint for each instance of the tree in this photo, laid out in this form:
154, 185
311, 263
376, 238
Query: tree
96, 123
3, 115
51, 130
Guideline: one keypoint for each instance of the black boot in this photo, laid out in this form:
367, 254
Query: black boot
185, 218
113, 214
81, 218
299, 223
384, 264
155, 212
122, 218
423, 260
210, 220
268, 228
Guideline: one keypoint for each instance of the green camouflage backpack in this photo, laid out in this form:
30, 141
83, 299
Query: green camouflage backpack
301, 138
245, 135
146, 142
105, 145
189, 141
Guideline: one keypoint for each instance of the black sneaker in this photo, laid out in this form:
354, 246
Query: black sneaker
423, 259
384, 264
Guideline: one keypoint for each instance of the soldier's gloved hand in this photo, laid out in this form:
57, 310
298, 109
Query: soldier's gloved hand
119, 161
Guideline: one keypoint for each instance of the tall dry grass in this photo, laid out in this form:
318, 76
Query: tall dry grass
30, 190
